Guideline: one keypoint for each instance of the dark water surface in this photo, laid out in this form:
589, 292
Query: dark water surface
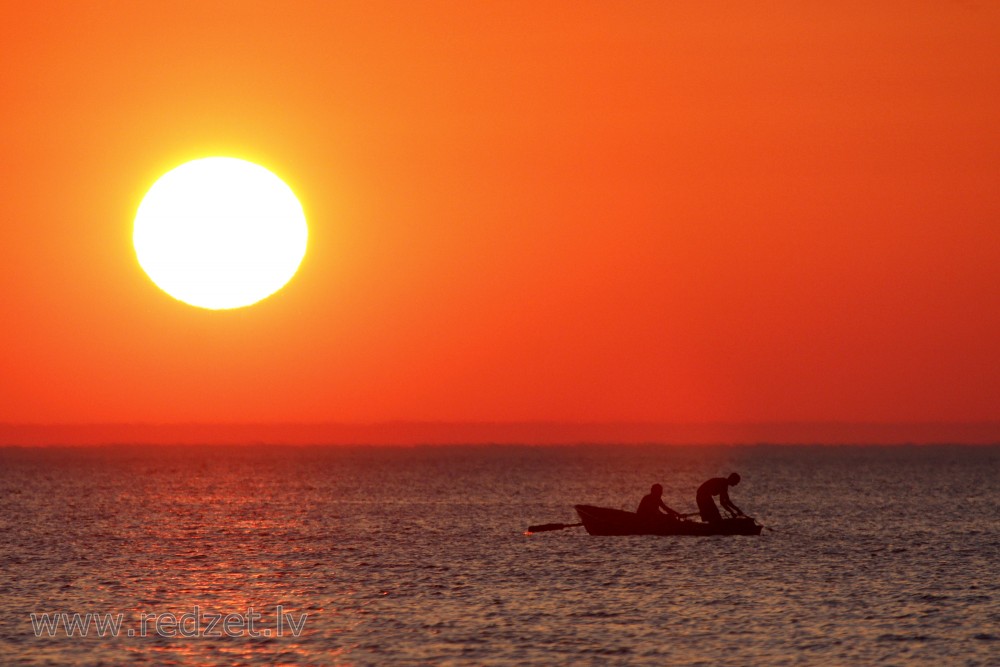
417, 555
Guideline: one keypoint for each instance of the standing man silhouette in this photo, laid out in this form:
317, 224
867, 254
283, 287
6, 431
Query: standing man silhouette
717, 486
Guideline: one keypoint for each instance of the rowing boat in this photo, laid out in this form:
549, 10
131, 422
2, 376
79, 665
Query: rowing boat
606, 521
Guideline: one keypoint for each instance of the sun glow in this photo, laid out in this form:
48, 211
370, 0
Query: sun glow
220, 233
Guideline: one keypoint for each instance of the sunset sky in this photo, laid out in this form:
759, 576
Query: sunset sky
559, 212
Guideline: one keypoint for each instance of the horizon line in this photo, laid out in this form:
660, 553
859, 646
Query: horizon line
550, 432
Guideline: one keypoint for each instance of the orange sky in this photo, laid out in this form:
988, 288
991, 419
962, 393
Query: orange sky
518, 211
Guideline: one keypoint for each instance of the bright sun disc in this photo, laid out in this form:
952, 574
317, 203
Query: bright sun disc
220, 233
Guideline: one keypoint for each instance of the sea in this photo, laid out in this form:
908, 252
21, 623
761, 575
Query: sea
260, 555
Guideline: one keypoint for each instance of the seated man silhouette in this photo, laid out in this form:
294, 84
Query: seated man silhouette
717, 486
651, 505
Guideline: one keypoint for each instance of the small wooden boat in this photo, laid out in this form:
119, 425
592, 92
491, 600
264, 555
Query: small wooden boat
605, 521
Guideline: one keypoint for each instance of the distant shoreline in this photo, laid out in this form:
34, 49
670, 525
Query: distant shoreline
512, 433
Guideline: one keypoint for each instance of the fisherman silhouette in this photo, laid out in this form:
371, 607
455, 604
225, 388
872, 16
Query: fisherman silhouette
717, 486
652, 503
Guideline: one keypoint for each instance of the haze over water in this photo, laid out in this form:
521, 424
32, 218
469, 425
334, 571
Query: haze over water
417, 555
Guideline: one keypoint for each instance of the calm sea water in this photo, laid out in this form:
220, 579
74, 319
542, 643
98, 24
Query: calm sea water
418, 556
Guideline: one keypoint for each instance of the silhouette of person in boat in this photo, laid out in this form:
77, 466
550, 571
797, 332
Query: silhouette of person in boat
717, 486
652, 503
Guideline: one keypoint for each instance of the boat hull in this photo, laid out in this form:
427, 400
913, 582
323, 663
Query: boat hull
606, 521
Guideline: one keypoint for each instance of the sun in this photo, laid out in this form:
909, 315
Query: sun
220, 233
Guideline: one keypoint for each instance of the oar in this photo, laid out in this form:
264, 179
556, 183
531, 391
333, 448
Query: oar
551, 526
